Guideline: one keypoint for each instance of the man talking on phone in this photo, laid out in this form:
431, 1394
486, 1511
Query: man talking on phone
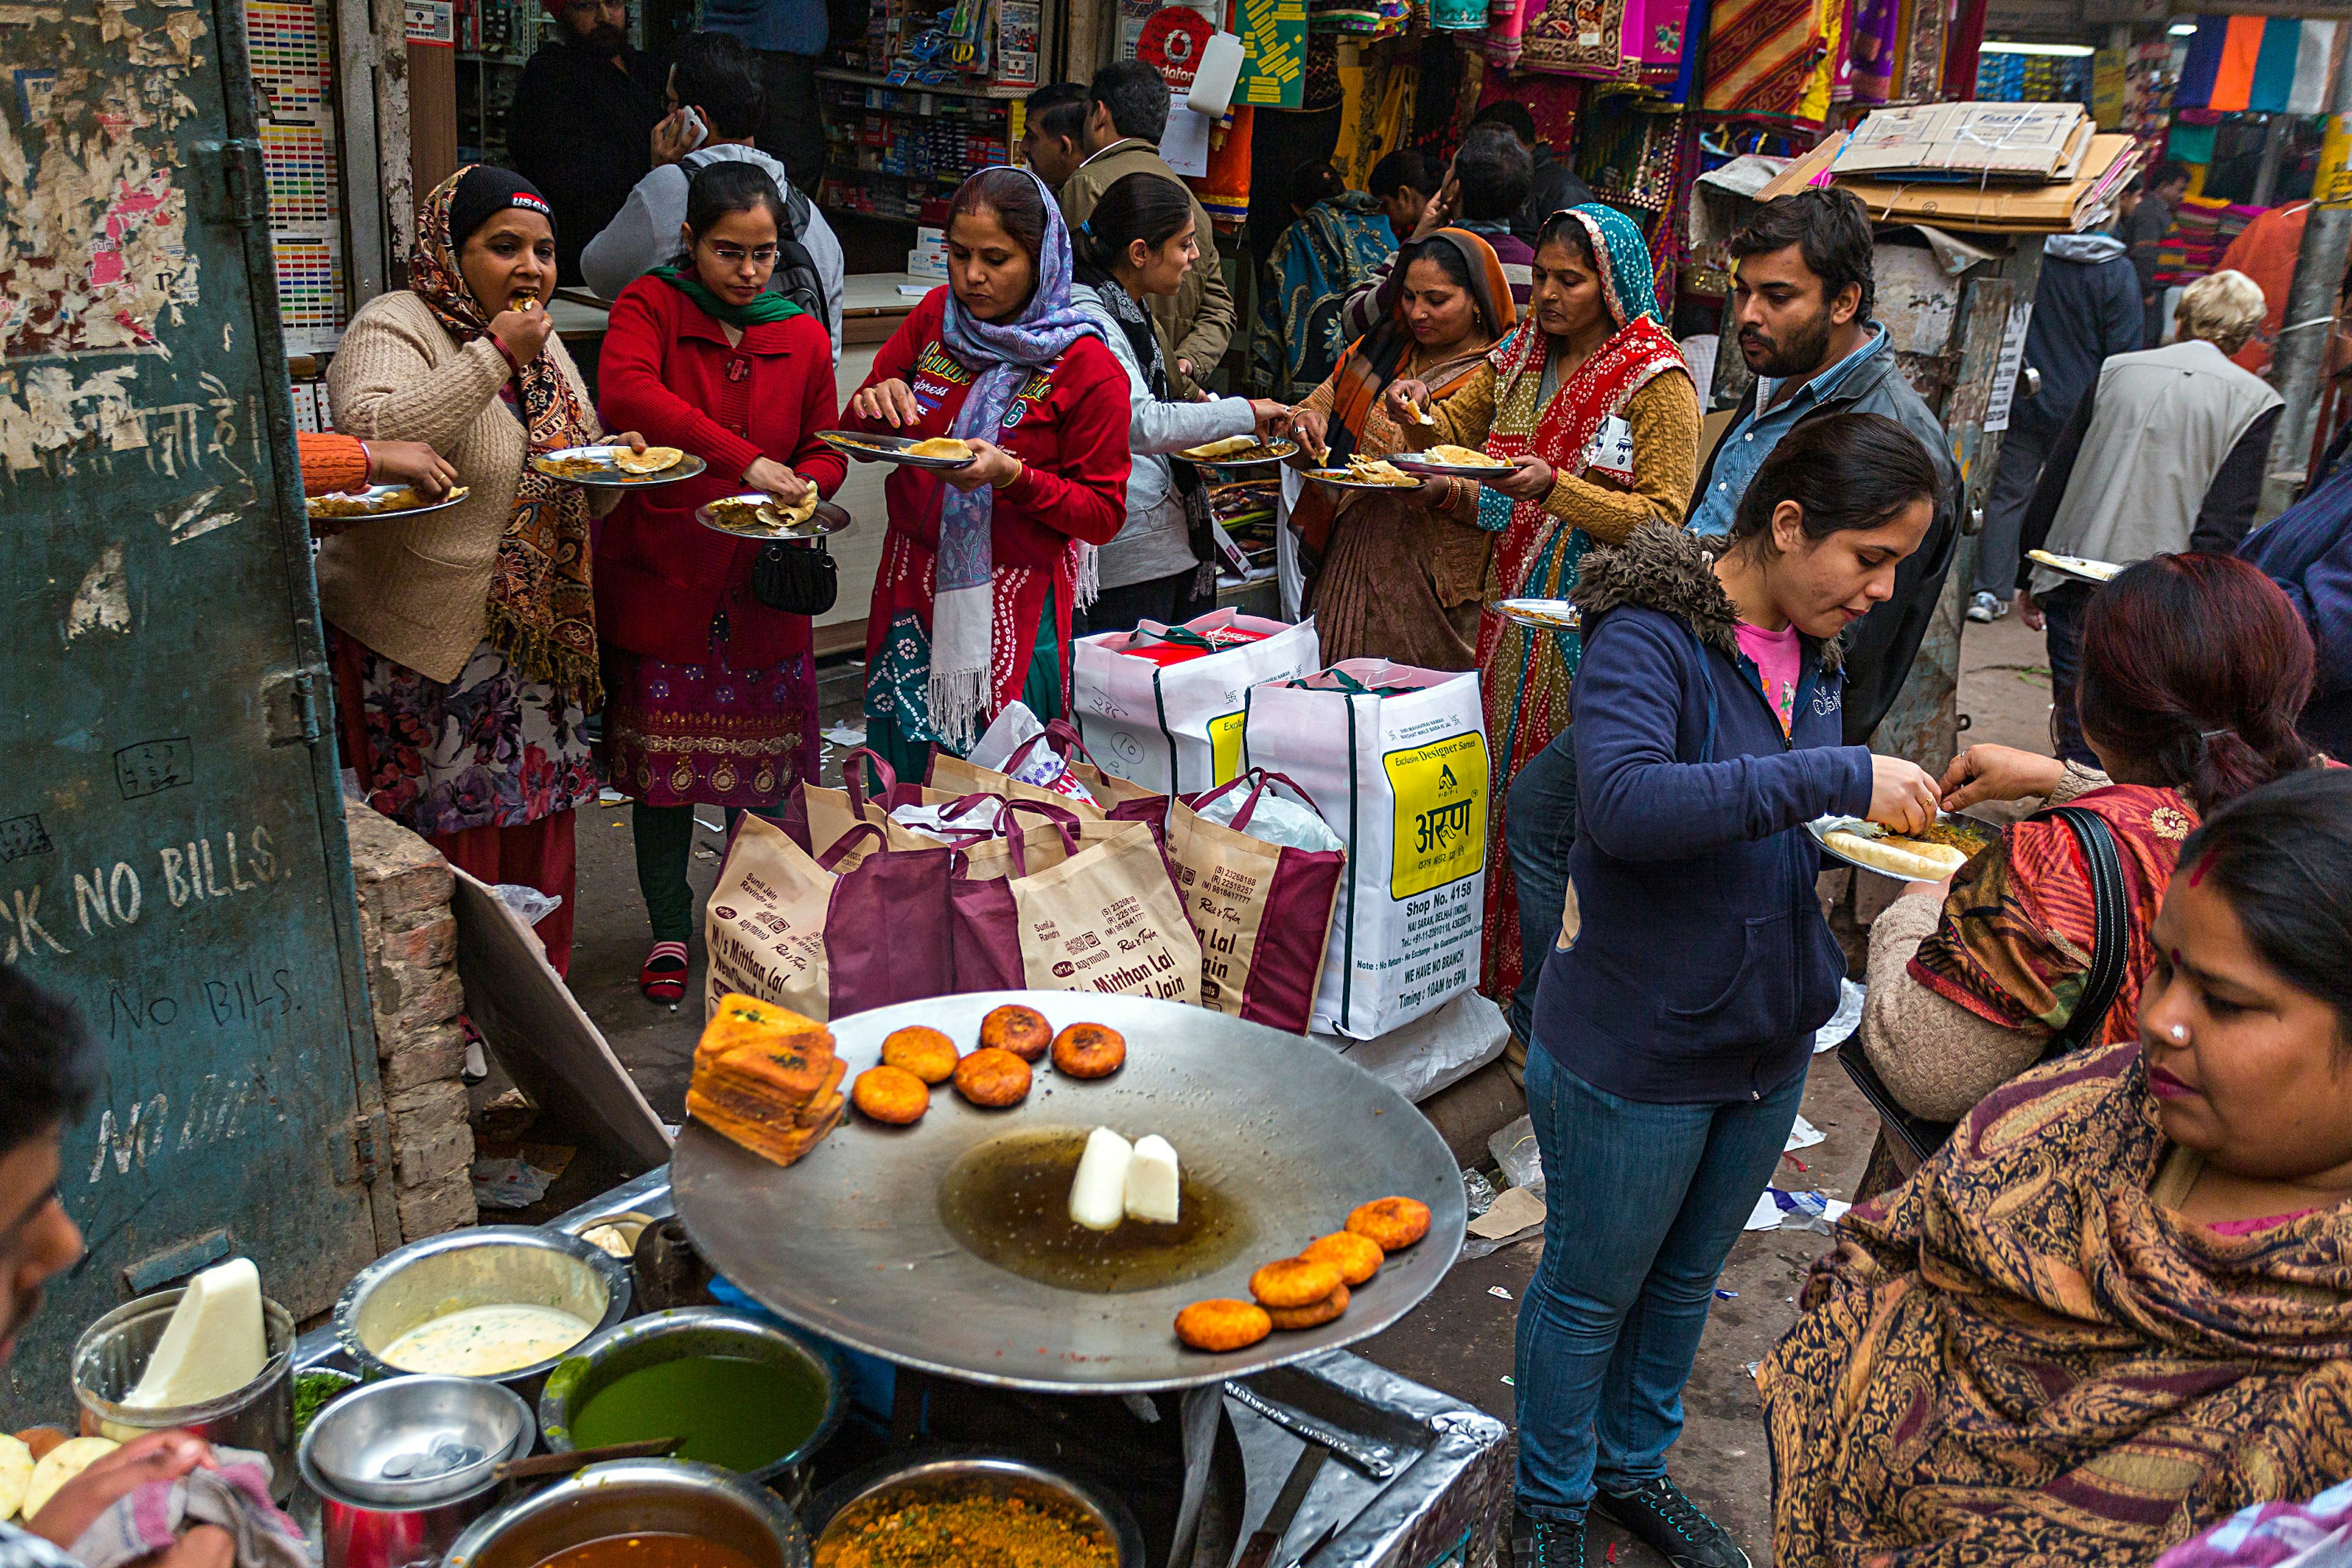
716, 102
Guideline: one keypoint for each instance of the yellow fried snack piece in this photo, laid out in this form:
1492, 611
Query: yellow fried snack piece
941, 447
892, 1094
1390, 1223
1222, 1324
1314, 1315
1357, 1257
1294, 1282
652, 460
925, 1052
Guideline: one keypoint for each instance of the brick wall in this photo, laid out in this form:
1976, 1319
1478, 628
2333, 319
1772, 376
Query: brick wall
410, 940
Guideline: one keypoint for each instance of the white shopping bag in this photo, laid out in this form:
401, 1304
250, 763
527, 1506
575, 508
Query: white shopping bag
1396, 757
1177, 728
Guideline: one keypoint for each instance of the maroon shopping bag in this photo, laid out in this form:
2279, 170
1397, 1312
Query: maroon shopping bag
1263, 911
829, 935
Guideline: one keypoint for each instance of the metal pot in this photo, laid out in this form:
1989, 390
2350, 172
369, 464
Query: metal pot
113, 1354
402, 1467
635, 1497
690, 1331
488, 1266
891, 1483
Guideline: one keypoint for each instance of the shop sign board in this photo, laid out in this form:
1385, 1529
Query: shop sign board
1274, 53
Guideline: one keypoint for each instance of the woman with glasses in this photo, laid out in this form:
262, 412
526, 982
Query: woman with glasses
711, 693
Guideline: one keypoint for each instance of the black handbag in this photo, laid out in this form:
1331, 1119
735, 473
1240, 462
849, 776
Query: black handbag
798, 579
2111, 911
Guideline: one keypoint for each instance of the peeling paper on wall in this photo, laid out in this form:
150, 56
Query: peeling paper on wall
197, 519
55, 414
102, 602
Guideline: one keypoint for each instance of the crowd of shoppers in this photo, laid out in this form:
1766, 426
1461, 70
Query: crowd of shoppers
1751, 607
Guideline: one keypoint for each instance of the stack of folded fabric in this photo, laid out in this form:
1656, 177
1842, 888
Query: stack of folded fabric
766, 1078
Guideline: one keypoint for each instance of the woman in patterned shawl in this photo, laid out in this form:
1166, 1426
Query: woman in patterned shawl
464, 639
2194, 667
2118, 1304
1593, 403
1339, 238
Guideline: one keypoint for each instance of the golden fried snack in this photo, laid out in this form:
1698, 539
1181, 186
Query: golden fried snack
1390, 1223
928, 1054
1312, 1316
1357, 1257
1089, 1050
993, 1077
940, 447
1223, 1325
1020, 1030
1294, 1282
892, 1094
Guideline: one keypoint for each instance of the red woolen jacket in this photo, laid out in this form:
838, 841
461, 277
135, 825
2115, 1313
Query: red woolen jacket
668, 372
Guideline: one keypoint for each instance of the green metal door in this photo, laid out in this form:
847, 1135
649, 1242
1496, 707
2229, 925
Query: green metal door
171, 847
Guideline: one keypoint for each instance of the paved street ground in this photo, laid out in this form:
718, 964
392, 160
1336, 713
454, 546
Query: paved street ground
1460, 1340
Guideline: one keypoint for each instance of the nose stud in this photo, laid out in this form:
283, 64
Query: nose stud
2179, 1033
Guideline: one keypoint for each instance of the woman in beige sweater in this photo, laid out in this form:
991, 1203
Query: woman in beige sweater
465, 640
2194, 667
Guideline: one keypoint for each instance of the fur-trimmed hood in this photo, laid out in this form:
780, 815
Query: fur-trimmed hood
1670, 570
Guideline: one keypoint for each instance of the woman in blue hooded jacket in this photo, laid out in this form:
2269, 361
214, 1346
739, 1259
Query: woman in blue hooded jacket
1675, 1018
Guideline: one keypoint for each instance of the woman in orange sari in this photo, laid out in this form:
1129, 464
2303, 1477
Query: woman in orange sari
1592, 404
1401, 573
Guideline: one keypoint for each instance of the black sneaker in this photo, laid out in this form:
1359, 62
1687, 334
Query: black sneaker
1658, 1513
1547, 1542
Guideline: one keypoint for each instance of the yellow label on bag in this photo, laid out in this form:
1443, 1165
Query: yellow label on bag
1226, 747
1441, 813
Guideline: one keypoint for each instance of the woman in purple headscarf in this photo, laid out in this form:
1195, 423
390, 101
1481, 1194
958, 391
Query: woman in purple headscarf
982, 564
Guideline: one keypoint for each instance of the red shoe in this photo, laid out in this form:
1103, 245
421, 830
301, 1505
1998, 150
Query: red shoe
663, 979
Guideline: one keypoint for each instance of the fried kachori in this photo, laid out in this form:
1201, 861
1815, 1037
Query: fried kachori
1357, 1257
993, 1077
1020, 1030
1314, 1315
925, 1052
1294, 1282
1390, 1223
1089, 1050
890, 1094
1223, 1325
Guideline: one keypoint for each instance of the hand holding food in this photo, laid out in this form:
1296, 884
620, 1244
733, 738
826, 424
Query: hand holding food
523, 332
769, 475
1273, 418
990, 465
1531, 479
1902, 796
1309, 429
412, 463
1407, 398
1998, 772
890, 402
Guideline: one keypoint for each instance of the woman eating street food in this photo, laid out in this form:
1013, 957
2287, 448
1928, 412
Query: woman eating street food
1675, 1017
1403, 575
2118, 1304
711, 692
2194, 667
465, 640
1592, 404
1140, 242
984, 564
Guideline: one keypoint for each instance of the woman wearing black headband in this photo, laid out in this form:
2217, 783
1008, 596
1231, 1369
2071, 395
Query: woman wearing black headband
465, 639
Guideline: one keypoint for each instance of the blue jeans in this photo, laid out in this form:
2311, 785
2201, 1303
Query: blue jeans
2061, 612
1645, 1203
1538, 828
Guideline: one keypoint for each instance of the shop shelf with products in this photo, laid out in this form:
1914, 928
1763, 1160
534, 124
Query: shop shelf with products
897, 154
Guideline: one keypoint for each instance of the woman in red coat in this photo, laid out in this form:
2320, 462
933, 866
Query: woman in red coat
710, 696
982, 564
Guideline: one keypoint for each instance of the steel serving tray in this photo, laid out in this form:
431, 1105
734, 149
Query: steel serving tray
611, 477
848, 1242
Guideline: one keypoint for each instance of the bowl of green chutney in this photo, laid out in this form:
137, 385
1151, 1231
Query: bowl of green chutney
740, 1392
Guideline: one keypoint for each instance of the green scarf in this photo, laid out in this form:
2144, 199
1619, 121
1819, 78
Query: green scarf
769, 307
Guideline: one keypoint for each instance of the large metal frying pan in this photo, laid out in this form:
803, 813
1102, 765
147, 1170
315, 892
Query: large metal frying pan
849, 1241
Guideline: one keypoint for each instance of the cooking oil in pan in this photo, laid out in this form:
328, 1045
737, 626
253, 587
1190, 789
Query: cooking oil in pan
1007, 1201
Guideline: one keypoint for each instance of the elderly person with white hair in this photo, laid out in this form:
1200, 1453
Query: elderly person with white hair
2163, 454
